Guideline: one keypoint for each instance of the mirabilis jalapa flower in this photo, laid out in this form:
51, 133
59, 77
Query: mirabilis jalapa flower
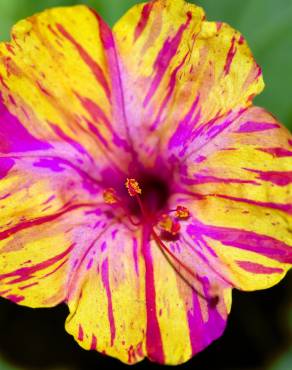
138, 182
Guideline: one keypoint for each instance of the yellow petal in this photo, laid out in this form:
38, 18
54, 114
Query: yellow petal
175, 64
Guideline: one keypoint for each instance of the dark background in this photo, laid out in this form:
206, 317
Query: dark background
259, 331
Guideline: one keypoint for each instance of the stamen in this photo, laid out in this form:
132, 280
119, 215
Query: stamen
133, 187
213, 300
182, 212
168, 224
110, 196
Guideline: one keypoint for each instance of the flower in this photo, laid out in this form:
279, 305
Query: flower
138, 182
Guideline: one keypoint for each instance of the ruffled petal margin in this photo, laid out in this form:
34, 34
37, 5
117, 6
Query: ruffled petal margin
179, 71
59, 77
74, 99
130, 303
48, 175
237, 187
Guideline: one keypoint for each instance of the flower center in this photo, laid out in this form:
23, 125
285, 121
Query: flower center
147, 206
162, 225
155, 193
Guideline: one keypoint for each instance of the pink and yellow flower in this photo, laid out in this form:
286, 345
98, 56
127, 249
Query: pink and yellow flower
138, 182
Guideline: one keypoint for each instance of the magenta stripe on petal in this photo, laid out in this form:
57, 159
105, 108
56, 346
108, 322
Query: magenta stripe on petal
185, 127
93, 344
217, 129
280, 178
277, 152
135, 255
196, 325
37, 221
153, 336
105, 32
105, 280
15, 298
14, 137
257, 268
94, 67
247, 240
54, 164
204, 179
96, 132
23, 287
118, 99
230, 56
203, 333
143, 20
170, 90
80, 333
69, 140
25, 273
281, 207
95, 111
251, 126
164, 58
58, 164
5, 166
56, 268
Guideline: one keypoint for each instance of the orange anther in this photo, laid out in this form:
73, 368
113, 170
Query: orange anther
168, 224
133, 187
182, 212
110, 196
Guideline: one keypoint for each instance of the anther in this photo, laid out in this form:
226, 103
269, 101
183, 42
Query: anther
110, 196
133, 187
168, 224
182, 212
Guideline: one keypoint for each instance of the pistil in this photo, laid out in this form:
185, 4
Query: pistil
135, 191
110, 197
169, 224
164, 221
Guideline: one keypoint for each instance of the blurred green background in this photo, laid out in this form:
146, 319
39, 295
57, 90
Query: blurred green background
259, 334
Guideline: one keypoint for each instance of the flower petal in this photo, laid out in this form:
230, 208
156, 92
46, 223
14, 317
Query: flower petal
237, 186
58, 76
36, 257
180, 322
106, 297
130, 303
52, 146
180, 71
42, 200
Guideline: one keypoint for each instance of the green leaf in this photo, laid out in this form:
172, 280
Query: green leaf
284, 362
6, 366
